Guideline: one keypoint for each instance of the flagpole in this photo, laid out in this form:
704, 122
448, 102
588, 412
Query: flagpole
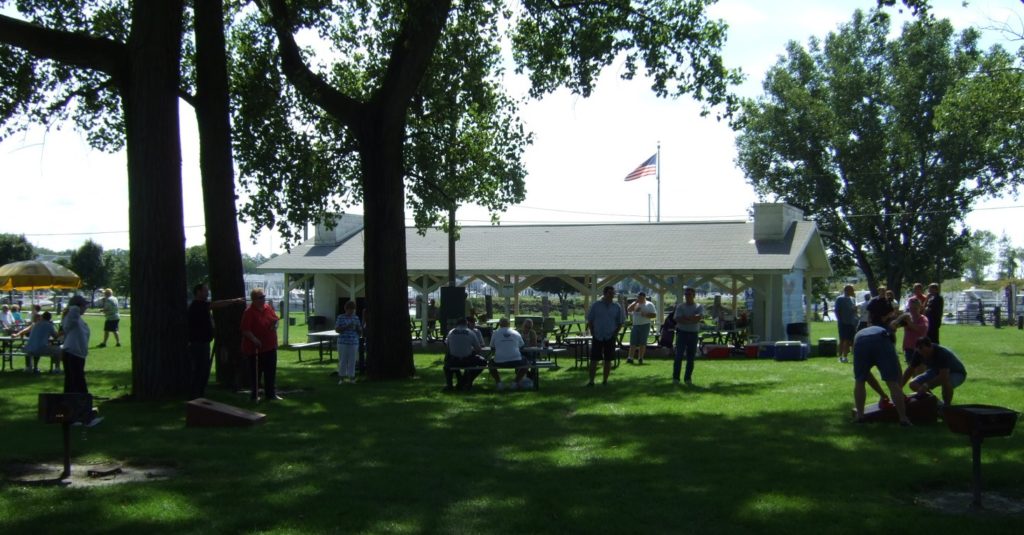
658, 162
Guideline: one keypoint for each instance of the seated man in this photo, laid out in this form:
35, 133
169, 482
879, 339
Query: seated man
7, 319
39, 335
463, 351
506, 343
872, 347
943, 369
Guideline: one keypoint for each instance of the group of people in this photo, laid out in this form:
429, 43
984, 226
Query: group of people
871, 334
464, 360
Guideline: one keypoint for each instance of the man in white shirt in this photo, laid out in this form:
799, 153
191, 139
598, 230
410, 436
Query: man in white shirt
641, 312
506, 343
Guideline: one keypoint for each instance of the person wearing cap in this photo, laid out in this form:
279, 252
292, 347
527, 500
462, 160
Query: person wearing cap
111, 317
641, 312
688, 315
75, 347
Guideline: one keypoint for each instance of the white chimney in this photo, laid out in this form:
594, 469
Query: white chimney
345, 226
773, 220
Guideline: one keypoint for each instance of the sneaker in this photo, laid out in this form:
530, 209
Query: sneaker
119, 344
342, 381
589, 384
94, 422
102, 345
675, 382
526, 384
688, 382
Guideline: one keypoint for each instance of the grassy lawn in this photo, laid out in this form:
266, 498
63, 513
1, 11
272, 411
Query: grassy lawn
756, 446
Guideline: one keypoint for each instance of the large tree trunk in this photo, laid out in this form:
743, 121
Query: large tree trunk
215, 162
388, 336
156, 222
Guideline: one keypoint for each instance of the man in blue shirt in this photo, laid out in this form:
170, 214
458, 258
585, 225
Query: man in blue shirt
846, 319
604, 319
943, 369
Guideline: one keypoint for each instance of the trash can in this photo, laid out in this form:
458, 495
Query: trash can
798, 332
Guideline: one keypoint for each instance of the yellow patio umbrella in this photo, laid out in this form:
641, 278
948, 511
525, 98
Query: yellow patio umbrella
32, 274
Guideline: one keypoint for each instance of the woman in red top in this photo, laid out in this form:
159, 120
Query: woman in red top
259, 342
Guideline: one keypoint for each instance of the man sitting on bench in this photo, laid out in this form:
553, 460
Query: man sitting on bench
506, 343
463, 352
943, 369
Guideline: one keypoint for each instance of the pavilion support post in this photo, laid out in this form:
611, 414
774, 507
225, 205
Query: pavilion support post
515, 283
424, 325
284, 308
507, 290
808, 315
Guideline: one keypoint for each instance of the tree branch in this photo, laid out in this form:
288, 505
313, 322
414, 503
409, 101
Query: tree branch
308, 83
420, 33
78, 50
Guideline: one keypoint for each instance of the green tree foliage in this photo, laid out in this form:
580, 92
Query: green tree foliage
847, 130
979, 255
87, 262
408, 79
14, 248
197, 269
1009, 258
116, 262
556, 285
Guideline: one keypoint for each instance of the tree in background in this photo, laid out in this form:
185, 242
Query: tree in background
847, 130
87, 262
116, 262
15, 248
979, 255
384, 60
557, 286
197, 270
1009, 258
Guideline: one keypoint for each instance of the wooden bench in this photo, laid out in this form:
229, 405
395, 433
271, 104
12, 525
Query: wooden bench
318, 344
533, 370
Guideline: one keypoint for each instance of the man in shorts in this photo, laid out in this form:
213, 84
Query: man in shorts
846, 319
506, 343
112, 318
873, 348
943, 369
642, 311
604, 319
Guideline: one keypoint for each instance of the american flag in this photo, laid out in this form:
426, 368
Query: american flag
649, 167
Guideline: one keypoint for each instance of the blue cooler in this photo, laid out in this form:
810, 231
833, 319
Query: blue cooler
767, 350
791, 350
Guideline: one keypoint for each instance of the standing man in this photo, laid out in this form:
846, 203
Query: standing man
944, 369
873, 347
200, 334
933, 309
846, 319
688, 315
604, 319
642, 312
111, 317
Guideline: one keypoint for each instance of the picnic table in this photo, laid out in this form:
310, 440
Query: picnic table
579, 348
321, 340
564, 329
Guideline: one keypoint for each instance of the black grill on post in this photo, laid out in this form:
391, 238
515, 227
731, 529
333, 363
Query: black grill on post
979, 422
65, 409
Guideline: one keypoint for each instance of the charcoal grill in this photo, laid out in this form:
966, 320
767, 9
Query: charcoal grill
979, 422
65, 409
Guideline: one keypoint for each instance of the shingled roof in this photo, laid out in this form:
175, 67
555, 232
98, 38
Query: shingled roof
719, 248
